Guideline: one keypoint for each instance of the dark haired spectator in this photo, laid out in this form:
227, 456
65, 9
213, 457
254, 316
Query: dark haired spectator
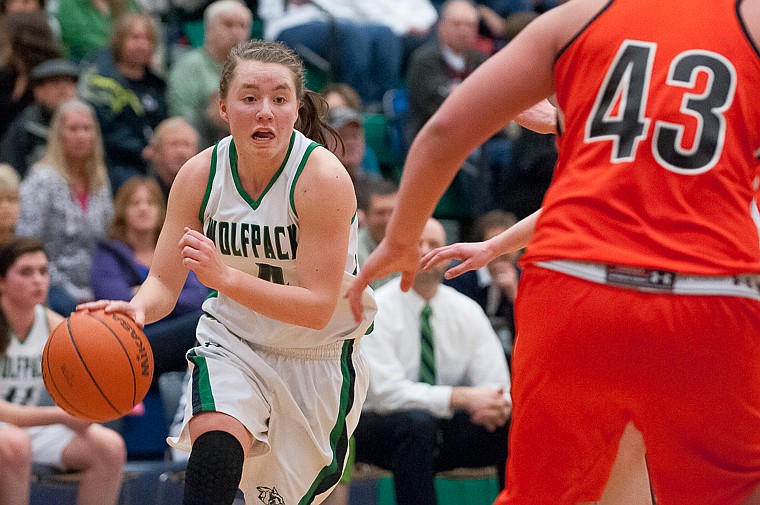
25, 141
121, 264
42, 434
26, 40
494, 286
128, 96
376, 205
66, 202
86, 24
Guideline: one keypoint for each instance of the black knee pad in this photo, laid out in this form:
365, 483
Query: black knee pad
214, 470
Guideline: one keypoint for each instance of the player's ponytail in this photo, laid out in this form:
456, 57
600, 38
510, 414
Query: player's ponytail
311, 120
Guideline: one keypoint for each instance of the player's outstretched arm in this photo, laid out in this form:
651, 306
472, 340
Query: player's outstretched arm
475, 255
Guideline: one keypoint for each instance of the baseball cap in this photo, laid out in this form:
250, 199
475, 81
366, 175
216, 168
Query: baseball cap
341, 116
55, 68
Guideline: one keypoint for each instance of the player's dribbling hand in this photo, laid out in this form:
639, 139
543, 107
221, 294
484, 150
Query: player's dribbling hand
74, 423
474, 255
385, 259
120, 306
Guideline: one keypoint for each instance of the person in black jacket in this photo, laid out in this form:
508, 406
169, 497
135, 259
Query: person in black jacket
128, 96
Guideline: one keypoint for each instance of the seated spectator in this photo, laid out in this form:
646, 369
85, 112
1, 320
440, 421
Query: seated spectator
66, 202
128, 97
13, 6
411, 20
435, 71
375, 208
211, 126
195, 76
43, 435
338, 94
493, 15
438, 394
363, 54
494, 286
53, 82
353, 152
86, 24
9, 202
121, 264
26, 40
173, 143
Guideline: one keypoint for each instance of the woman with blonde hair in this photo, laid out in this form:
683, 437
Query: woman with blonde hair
66, 202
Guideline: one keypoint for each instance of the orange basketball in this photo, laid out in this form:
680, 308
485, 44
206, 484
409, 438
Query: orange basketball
97, 366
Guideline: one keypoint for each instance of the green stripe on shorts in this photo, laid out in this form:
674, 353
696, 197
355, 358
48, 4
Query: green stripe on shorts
202, 396
330, 474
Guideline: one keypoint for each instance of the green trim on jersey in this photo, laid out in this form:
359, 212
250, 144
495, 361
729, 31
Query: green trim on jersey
354, 217
300, 168
214, 293
330, 474
207, 194
202, 396
255, 202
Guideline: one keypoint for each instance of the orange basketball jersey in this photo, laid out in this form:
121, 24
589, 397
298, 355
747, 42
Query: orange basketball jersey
659, 143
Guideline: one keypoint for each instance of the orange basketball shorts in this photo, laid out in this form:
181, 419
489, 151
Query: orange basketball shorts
589, 358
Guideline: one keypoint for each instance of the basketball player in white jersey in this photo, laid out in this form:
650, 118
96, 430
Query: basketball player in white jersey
267, 219
45, 435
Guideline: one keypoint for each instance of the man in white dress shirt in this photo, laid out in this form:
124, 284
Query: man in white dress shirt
429, 410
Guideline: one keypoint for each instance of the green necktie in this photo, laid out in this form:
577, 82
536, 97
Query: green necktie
427, 347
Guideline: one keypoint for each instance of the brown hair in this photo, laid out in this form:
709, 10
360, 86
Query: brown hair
26, 40
9, 253
346, 92
123, 25
311, 116
118, 228
493, 219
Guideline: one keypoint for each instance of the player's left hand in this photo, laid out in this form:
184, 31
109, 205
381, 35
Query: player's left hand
199, 254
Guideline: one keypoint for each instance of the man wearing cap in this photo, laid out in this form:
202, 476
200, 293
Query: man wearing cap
24, 143
359, 160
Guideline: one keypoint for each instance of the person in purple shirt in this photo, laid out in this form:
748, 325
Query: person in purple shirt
121, 264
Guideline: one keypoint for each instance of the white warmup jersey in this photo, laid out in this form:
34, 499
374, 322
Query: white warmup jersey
21, 383
260, 237
21, 373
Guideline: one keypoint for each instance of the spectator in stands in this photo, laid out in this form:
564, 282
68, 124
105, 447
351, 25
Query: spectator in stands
128, 97
25, 41
66, 202
361, 165
173, 143
494, 286
361, 53
9, 202
411, 20
121, 264
195, 76
86, 24
211, 127
338, 94
53, 82
438, 67
375, 207
43, 435
438, 397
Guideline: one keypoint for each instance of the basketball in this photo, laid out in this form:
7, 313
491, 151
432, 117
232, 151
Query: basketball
97, 366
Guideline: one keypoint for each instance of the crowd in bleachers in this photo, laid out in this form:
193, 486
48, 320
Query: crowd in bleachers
102, 102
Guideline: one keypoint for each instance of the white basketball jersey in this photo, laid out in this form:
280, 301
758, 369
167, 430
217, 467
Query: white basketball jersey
20, 368
260, 237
